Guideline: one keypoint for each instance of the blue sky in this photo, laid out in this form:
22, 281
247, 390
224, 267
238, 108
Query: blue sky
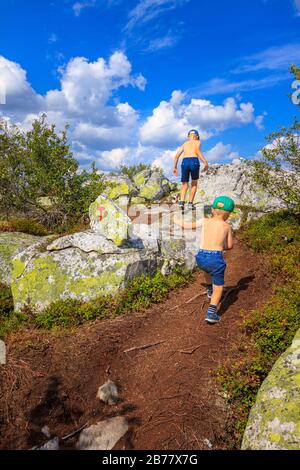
132, 76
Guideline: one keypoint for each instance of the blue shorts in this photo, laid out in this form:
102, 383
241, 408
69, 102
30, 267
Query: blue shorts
213, 263
190, 166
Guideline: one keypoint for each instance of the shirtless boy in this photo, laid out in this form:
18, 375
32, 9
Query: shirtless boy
216, 238
190, 166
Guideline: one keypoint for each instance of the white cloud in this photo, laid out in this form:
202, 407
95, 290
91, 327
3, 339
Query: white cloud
146, 10
161, 43
274, 58
79, 6
165, 161
170, 121
221, 86
82, 100
221, 152
19, 96
112, 132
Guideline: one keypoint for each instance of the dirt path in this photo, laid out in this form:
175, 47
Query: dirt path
170, 397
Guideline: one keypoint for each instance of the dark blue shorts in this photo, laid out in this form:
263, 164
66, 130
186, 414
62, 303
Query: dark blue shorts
213, 263
190, 167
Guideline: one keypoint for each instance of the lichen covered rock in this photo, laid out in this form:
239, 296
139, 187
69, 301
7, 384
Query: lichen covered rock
10, 244
110, 220
40, 278
274, 421
233, 181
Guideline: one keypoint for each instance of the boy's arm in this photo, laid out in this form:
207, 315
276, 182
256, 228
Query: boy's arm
188, 225
202, 158
229, 240
175, 171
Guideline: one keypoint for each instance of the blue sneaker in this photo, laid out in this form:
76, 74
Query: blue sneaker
212, 316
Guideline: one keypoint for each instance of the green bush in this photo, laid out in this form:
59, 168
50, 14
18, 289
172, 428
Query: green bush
23, 225
270, 329
6, 301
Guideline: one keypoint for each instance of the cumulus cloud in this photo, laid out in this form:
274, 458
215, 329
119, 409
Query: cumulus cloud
170, 121
220, 152
19, 96
111, 132
82, 100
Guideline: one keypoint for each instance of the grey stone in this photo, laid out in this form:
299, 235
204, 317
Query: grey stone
103, 435
108, 393
2, 353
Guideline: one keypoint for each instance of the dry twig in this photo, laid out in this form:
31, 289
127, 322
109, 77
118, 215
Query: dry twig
144, 346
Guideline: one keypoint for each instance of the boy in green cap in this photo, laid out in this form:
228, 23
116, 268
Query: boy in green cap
216, 237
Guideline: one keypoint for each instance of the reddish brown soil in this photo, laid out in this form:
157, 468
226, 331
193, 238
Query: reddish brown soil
170, 398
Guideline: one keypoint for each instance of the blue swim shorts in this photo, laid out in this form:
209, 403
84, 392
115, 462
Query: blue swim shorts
213, 263
190, 166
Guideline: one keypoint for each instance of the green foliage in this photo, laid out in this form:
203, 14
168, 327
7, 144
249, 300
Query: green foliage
39, 177
6, 301
277, 172
23, 225
140, 293
269, 329
133, 170
272, 232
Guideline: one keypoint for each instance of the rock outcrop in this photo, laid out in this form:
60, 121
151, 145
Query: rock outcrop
80, 266
10, 244
274, 421
147, 186
233, 181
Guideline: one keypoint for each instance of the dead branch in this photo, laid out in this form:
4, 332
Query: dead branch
144, 346
191, 350
194, 298
74, 432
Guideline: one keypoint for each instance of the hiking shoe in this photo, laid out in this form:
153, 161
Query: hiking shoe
212, 316
181, 205
191, 206
209, 290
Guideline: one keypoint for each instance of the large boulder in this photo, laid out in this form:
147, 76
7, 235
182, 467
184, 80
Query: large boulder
118, 186
10, 244
152, 185
81, 266
274, 421
109, 220
234, 181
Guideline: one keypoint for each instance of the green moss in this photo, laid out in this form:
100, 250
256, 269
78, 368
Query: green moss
117, 190
149, 191
139, 180
46, 280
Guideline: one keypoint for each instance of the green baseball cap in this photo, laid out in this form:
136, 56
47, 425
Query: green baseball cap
224, 203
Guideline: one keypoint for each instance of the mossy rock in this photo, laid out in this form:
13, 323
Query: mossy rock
274, 421
10, 244
39, 279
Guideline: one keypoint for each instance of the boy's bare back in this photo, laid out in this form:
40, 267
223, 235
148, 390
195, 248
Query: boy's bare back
217, 235
191, 148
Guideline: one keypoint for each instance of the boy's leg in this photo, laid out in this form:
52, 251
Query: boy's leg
216, 295
193, 190
184, 188
208, 283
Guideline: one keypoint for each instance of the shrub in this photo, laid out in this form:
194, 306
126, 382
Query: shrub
269, 329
